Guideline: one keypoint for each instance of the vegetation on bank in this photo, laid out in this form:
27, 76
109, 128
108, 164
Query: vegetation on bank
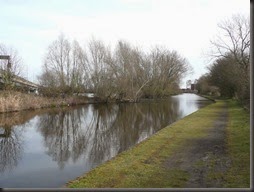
123, 72
229, 73
143, 166
16, 101
11, 101
128, 73
238, 145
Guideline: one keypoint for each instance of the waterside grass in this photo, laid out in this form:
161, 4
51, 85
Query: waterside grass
11, 101
238, 145
142, 165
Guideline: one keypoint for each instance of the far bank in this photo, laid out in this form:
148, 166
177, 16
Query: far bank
13, 101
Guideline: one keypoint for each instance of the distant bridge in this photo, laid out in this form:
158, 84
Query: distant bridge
189, 91
21, 82
17, 80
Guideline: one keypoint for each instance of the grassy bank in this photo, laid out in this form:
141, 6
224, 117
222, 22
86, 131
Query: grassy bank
15, 101
143, 166
238, 144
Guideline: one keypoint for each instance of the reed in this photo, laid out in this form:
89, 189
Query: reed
11, 101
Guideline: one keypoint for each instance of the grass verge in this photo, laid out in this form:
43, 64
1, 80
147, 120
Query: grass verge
143, 165
238, 140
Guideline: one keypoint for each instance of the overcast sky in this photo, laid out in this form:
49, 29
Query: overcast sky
186, 26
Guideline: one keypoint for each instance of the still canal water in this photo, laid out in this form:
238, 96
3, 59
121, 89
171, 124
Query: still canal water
47, 148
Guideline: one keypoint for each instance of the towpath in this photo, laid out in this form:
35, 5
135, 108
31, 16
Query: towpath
205, 159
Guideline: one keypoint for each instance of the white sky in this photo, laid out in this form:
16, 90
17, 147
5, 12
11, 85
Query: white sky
186, 26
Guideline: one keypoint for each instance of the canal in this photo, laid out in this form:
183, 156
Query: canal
47, 148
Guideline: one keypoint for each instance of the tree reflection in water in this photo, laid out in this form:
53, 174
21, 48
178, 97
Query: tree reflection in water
79, 138
10, 147
99, 132
62, 134
11, 138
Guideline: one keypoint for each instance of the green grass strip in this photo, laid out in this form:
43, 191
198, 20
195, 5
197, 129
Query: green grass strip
238, 139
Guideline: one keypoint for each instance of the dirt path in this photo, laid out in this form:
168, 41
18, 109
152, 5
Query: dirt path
205, 160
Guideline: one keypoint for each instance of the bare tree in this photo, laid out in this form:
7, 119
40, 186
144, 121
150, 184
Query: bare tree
127, 63
49, 82
233, 39
166, 70
99, 58
233, 43
79, 68
65, 67
123, 73
57, 60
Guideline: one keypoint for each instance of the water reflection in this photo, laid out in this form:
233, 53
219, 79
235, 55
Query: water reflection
11, 138
10, 147
62, 133
12, 127
80, 138
103, 130
188, 103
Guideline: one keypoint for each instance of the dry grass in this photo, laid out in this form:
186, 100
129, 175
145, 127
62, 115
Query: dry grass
16, 101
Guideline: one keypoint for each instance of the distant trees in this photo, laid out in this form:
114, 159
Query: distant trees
202, 84
188, 84
230, 71
223, 73
123, 73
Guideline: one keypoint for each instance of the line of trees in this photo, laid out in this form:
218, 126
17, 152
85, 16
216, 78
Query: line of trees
230, 71
123, 73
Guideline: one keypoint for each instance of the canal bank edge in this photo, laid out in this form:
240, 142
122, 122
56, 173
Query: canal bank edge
161, 161
13, 101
